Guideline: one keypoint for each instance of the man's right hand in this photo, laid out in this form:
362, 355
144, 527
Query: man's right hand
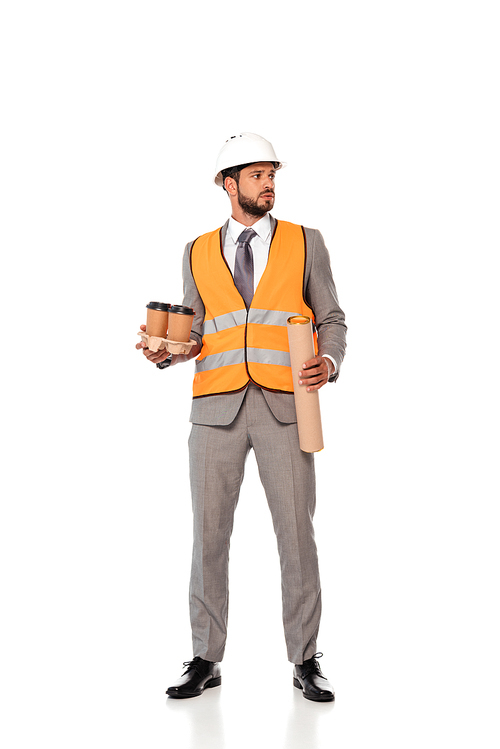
153, 356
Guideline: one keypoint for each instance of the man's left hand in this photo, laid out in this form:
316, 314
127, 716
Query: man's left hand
314, 373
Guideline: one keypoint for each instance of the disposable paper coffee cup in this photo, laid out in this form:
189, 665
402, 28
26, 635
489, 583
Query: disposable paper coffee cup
180, 320
157, 319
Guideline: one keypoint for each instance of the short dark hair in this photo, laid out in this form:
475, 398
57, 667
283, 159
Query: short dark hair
234, 171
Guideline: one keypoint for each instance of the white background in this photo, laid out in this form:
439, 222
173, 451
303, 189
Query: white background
387, 114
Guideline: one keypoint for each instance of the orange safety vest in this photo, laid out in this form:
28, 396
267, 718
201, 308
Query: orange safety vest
241, 345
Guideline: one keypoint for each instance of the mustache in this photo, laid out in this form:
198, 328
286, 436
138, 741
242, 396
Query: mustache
267, 192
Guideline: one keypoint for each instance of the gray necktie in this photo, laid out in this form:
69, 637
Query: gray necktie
243, 266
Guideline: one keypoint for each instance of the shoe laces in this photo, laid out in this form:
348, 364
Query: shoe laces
193, 665
311, 666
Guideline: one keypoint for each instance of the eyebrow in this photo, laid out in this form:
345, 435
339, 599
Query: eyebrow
259, 171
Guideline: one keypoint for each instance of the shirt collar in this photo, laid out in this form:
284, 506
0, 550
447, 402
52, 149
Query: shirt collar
262, 227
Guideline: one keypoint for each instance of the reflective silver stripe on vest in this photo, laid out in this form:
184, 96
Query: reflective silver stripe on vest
223, 322
254, 355
237, 356
224, 359
269, 317
260, 316
268, 356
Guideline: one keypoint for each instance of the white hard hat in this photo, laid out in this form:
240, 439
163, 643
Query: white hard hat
245, 148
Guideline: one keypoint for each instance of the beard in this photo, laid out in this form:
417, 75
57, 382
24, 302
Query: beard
252, 207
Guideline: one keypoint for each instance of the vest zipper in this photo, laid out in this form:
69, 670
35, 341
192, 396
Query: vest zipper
246, 358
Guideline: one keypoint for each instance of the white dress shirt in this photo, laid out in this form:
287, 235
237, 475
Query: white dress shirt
260, 244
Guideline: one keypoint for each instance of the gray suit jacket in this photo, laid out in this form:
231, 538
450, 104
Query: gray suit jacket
320, 295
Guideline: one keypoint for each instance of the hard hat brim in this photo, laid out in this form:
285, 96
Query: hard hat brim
218, 177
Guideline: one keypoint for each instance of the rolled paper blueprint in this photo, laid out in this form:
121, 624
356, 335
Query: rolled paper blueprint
300, 339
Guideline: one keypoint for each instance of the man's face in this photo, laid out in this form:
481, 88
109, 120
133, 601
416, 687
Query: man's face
256, 188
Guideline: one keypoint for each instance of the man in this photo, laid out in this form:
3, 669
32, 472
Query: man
243, 281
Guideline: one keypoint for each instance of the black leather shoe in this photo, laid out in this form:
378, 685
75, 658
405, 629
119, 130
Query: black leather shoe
309, 678
198, 676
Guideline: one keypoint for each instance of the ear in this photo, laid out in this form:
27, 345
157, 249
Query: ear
230, 185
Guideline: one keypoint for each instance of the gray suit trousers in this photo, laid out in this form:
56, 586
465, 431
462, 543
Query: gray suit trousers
217, 459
